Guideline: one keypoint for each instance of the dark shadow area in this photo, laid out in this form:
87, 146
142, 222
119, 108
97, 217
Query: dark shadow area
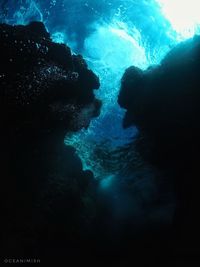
163, 102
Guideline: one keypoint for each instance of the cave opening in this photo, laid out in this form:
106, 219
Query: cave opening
111, 36
85, 173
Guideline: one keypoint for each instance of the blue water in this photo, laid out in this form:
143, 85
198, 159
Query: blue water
111, 35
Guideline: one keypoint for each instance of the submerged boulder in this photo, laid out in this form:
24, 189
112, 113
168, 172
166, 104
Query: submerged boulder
44, 89
42, 78
163, 102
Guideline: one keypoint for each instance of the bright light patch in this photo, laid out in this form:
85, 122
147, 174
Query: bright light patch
120, 47
106, 182
109, 50
58, 37
183, 15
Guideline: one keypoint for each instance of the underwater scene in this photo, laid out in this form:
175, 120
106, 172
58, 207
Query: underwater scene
100, 131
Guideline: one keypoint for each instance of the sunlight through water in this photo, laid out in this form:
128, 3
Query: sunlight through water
108, 51
111, 35
183, 15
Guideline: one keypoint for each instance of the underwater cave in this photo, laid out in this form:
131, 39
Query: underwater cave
100, 131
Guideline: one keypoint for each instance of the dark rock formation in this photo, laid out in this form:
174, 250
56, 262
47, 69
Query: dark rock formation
164, 102
47, 199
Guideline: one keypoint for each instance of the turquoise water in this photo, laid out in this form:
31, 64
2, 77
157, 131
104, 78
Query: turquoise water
111, 36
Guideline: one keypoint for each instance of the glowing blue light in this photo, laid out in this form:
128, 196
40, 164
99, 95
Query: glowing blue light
23, 15
58, 37
120, 46
109, 51
183, 15
106, 182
